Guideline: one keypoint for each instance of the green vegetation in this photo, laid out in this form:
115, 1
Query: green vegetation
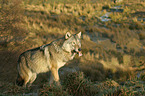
113, 52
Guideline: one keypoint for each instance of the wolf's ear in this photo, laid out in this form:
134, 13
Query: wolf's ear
79, 34
67, 35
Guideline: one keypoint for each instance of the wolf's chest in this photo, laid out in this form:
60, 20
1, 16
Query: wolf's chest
60, 64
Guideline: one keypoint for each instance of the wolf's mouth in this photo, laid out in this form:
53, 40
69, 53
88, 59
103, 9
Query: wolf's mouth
78, 52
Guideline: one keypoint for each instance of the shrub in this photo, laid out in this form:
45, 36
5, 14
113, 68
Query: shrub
52, 91
77, 85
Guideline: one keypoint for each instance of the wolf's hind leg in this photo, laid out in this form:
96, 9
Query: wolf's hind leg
24, 70
19, 80
32, 79
26, 80
25, 75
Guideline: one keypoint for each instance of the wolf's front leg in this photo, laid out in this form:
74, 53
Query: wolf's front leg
54, 76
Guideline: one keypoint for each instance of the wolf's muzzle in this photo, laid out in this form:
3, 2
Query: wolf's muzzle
78, 52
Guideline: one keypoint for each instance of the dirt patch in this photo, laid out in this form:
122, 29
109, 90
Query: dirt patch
8, 61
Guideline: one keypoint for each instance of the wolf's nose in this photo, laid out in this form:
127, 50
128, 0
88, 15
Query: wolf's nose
79, 49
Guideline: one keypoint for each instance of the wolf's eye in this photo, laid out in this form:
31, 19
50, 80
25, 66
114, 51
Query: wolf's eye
73, 43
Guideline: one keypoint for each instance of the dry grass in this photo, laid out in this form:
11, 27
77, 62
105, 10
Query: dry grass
104, 70
11, 17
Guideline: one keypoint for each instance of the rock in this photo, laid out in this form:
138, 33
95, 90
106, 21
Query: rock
117, 1
105, 17
116, 9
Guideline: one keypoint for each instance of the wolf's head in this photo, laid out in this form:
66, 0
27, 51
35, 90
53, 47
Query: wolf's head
72, 43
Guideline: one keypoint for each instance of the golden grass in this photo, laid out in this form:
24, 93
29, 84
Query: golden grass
47, 22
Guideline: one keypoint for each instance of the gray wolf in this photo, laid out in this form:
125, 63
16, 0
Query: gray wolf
46, 58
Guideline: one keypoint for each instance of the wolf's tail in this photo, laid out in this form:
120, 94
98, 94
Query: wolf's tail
19, 80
